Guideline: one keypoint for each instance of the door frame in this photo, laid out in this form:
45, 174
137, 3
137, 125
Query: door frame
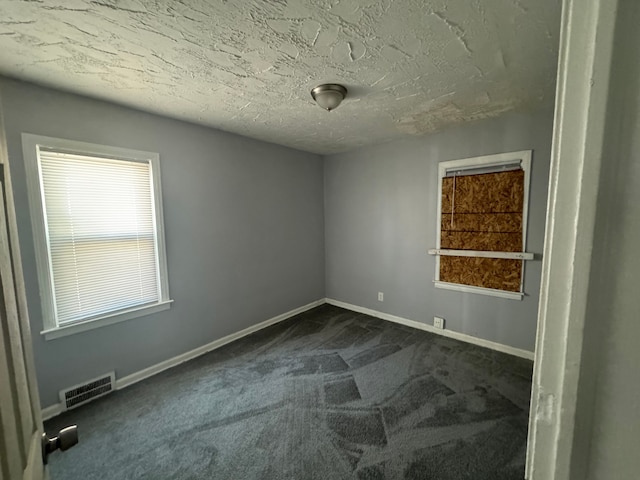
586, 46
17, 359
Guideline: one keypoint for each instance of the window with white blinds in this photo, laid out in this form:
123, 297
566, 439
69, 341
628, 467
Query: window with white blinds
99, 213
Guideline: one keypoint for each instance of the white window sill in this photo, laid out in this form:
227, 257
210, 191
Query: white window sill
83, 326
482, 291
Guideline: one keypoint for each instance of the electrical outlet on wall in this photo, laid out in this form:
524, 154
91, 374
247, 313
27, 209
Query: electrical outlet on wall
380, 297
438, 322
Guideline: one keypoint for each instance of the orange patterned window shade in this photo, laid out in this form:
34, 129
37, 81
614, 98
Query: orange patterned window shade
483, 212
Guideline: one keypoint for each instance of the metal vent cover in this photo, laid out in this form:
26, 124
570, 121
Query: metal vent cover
85, 392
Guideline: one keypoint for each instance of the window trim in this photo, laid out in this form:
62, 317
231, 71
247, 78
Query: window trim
523, 157
51, 329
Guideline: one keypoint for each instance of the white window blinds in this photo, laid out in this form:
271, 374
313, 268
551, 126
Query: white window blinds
101, 234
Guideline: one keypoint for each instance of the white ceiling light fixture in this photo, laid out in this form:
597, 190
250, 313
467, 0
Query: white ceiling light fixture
329, 95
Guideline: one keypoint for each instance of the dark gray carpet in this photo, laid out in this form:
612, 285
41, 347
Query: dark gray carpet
329, 394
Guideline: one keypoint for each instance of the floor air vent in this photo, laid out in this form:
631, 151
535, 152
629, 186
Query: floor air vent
87, 391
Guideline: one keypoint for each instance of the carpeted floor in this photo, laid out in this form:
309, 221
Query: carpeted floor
329, 394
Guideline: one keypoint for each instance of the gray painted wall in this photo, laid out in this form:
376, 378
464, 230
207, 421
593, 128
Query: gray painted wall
380, 220
609, 397
244, 232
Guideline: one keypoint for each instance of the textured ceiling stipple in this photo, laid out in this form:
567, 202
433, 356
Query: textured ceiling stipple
247, 66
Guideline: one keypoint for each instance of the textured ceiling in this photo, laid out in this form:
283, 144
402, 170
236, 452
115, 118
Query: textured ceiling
247, 66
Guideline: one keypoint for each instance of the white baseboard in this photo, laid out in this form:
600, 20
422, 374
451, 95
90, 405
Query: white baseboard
52, 411
172, 362
56, 409
429, 328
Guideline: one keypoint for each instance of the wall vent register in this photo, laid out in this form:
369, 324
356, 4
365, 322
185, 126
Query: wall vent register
85, 392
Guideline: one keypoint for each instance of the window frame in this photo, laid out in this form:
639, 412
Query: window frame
30, 146
523, 158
